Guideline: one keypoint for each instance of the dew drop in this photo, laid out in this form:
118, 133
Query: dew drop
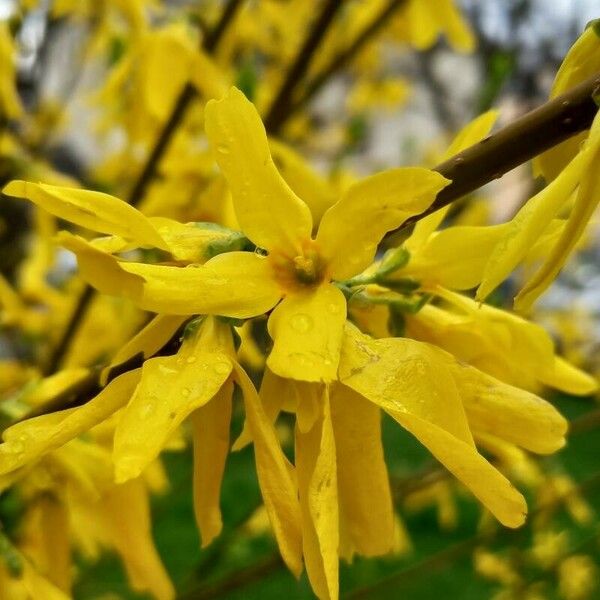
223, 149
190, 360
221, 368
185, 392
334, 309
301, 323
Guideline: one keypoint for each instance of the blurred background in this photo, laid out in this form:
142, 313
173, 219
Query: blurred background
446, 549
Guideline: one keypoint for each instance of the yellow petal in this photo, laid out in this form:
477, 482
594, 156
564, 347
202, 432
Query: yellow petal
210, 425
586, 202
530, 223
125, 515
170, 388
101, 270
510, 413
455, 257
93, 210
268, 211
276, 477
306, 328
30, 439
353, 227
363, 485
405, 384
235, 284
404, 375
54, 385
146, 342
564, 376
318, 194
317, 483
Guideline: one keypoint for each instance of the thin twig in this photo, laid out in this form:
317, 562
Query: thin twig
345, 57
279, 110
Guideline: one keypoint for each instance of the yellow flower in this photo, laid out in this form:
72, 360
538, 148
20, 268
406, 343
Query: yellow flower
10, 105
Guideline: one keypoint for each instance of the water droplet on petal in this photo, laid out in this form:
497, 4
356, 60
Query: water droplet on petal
146, 410
185, 392
190, 360
301, 323
222, 368
223, 149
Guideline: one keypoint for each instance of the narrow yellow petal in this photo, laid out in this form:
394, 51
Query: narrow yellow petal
353, 227
235, 284
30, 439
530, 223
586, 202
363, 485
509, 412
125, 515
564, 376
268, 211
210, 425
170, 388
317, 483
307, 328
93, 210
146, 342
101, 270
276, 477
492, 489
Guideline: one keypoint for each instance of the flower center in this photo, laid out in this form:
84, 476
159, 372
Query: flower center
306, 269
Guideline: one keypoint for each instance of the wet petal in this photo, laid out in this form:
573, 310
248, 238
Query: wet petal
353, 227
317, 483
170, 388
307, 328
276, 477
30, 439
93, 210
404, 375
210, 426
363, 485
268, 211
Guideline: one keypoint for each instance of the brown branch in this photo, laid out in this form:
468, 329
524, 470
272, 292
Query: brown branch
138, 191
279, 110
535, 132
346, 56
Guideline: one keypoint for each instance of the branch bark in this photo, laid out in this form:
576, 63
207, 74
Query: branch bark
535, 132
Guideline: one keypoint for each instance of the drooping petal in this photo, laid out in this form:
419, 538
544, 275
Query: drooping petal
125, 515
564, 376
351, 229
307, 328
276, 477
210, 425
171, 387
236, 284
146, 342
405, 387
28, 440
363, 485
509, 412
317, 483
268, 211
93, 210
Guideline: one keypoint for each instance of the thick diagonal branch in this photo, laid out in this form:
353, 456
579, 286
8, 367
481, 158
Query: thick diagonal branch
535, 132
